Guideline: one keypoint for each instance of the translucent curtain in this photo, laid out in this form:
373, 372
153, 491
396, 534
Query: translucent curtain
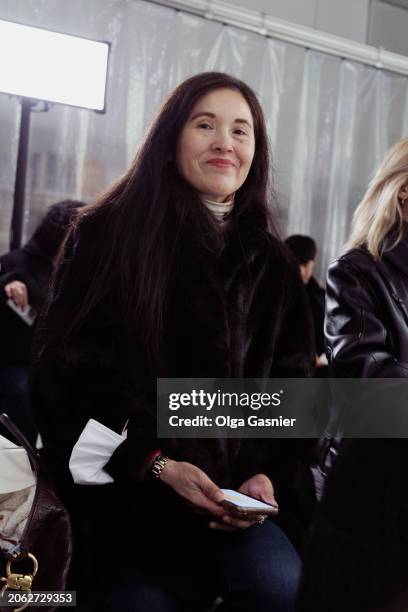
329, 120
9, 121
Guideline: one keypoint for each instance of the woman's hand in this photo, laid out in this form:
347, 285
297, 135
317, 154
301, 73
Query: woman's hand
17, 292
194, 486
259, 487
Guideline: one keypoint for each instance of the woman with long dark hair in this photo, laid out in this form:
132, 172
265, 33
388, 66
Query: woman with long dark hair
176, 272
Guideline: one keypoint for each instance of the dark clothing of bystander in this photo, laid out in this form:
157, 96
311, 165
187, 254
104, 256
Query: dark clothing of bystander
33, 267
316, 295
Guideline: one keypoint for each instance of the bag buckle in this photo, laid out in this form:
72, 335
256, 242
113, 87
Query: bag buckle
19, 582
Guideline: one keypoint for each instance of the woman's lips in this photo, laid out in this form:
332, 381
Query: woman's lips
221, 163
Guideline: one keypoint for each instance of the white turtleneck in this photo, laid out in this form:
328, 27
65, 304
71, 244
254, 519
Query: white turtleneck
219, 209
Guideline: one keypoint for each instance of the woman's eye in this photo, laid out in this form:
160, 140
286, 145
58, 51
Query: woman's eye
205, 126
240, 132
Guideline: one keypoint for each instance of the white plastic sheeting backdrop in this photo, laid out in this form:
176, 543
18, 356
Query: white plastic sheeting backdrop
329, 120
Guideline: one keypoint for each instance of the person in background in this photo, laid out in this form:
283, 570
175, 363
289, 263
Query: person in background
358, 552
24, 279
177, 272
304, 250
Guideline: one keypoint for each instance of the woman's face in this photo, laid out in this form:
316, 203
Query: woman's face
217, 144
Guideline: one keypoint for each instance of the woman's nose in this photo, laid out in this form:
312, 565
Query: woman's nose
222, 143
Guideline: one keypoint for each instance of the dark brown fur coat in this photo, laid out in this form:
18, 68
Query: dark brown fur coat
239, 313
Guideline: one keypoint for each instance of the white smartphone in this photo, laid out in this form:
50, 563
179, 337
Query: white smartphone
28, 314
243, 504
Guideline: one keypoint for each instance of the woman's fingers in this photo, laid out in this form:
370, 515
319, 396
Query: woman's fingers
239, 523
231, 523
213, 492
20, 297
24, 297
260, 487
17, 291
219, 526
209, 507
207, 495
268, 497
16, 296
194, 486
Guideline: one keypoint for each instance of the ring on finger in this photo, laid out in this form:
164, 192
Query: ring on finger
261, 520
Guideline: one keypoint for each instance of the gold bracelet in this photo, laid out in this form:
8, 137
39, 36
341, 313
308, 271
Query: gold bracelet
159, 465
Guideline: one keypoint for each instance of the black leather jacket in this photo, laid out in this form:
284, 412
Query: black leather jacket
366, 322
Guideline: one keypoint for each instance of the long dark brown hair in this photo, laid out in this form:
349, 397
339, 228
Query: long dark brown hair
149, 206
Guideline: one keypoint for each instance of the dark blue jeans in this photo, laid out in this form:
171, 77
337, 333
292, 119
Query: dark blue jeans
257, 570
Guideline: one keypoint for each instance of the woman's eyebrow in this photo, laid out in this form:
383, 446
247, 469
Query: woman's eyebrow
202, 114
248, 123
213, 116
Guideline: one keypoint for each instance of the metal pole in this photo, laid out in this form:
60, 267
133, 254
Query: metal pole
17, 220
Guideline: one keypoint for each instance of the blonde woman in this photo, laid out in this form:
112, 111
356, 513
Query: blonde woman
358, 553
367, 288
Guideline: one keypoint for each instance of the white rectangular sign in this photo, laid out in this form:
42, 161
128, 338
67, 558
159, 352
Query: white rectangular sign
54, 67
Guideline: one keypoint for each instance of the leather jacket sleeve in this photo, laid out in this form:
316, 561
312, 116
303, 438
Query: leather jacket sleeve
356, 333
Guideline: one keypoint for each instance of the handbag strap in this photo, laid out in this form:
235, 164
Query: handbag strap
6, 421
